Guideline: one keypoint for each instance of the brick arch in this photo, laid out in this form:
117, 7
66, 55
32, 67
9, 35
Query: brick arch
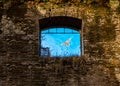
60, 21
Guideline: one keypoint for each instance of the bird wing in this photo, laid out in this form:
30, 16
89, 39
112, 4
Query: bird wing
67, 42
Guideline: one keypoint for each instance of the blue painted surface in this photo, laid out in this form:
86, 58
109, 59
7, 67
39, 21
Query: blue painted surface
62, 42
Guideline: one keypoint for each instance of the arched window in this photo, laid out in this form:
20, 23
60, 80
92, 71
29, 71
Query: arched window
61, 36
60, 42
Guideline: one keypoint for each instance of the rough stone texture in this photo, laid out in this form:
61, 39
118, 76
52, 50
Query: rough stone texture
20, 64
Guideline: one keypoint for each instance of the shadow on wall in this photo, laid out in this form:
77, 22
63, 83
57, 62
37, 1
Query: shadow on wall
1, 10
98, 35
17, 11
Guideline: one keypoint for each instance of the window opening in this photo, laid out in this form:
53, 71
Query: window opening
60, 42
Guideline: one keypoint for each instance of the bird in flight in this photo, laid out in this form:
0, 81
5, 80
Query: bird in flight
67, 42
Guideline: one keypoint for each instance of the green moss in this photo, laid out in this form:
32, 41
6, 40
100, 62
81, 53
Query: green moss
118, 9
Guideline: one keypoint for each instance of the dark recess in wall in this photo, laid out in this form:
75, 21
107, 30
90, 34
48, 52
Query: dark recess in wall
17, 11
60, 21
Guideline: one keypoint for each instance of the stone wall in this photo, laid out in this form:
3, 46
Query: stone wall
21, 65
100, 26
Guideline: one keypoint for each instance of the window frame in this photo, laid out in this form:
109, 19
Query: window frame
61, 21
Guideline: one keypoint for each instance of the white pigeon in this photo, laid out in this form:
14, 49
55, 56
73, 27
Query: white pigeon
67, 42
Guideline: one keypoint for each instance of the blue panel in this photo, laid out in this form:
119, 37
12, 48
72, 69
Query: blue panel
60, 30
62, 45
74, 31
67, 30
45, 31
52, 30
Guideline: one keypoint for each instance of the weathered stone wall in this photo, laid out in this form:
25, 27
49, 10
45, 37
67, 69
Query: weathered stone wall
21, 65
100, 26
